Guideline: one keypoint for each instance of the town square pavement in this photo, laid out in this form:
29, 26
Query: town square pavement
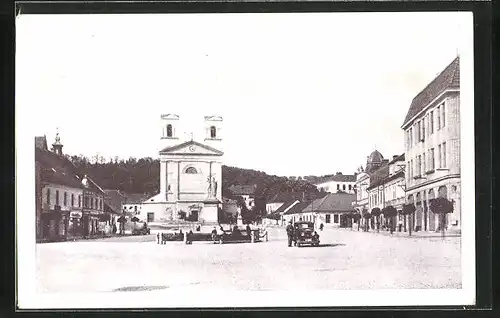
345, 260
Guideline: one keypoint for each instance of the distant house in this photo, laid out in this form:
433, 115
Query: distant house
247, 192
129, 204
277, 217
279, 199
329, 210
294, 213
337, 183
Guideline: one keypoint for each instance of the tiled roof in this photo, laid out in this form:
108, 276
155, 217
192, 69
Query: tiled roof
377, 177
283, 197
337, 178
242, 189
114, 199
333, 202
398, 158
297, 208
57, 169
132, 198
375, 156
449, 78
285, 206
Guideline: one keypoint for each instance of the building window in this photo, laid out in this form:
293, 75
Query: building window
431, 123
431, 159
411, 137
57, 197
151, 217
350, 187
423, 163
438, 119
335, 218
343, 187
327, 218
444, 115
409, 172
65, 198
423, 130
100, 204
411, 168
444, 155
419, 165
213, 132
169, 130
135, 208
48, 196
191, 170
338, 186
79, 201
439, 156
72, 199
86, 202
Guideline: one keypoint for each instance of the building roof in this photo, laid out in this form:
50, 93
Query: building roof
378, 176
283, 197
57, 169
447, 79
285, 206
195, 143
398, 158
336, 178
242, 189
297, 208
333, 202
375, 156
135, 198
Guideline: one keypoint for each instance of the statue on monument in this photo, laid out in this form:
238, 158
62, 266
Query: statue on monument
214, 187
211, 186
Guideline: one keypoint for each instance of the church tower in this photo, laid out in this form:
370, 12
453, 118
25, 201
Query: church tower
169, 130
57, 145
213, 129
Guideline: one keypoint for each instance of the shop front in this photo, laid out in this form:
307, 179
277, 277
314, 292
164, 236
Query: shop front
54, 225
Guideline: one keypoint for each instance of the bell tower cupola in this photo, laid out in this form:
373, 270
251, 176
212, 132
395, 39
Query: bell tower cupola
213, 132
169, 130
57, 145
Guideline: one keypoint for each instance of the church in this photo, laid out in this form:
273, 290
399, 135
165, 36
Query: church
190, 174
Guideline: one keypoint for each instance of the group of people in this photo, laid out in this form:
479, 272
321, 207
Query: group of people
218, 233
292, 233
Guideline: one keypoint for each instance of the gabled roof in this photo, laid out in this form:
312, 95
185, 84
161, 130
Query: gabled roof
285, 206
297, 208
337, 178
135, 198
449, 78
189, 143
242, 189
114, 199
333, 202
398, 158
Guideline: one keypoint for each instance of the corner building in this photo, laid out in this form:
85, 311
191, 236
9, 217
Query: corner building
432, 149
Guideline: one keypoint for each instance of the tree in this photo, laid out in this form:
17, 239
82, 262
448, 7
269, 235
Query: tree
441, 206
408, 210
390, 213
376, 213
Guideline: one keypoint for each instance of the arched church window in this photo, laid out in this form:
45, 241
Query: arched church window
191, 170
169, 130
213, 132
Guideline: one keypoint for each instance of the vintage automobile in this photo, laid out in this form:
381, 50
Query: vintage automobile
305, 234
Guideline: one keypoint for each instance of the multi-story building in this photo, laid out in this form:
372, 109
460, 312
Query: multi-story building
63, 196
337, 183
432, 149
364, 200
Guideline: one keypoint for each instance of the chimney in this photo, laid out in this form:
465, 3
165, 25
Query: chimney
394, 157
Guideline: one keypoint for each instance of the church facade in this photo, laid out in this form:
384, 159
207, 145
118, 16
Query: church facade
190, 175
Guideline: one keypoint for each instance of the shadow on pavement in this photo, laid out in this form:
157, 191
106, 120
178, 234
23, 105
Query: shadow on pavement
139, 288
324, 245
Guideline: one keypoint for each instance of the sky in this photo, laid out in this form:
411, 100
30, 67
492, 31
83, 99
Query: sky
300, 94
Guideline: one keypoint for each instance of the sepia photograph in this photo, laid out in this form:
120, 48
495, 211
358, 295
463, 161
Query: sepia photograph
245, 160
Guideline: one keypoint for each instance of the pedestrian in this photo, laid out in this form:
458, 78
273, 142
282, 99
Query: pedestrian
400, 225
214, 234
220, 234
114, 228
321, 227
289, 233
248, 230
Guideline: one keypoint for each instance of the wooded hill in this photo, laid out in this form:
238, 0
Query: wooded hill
142, 176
